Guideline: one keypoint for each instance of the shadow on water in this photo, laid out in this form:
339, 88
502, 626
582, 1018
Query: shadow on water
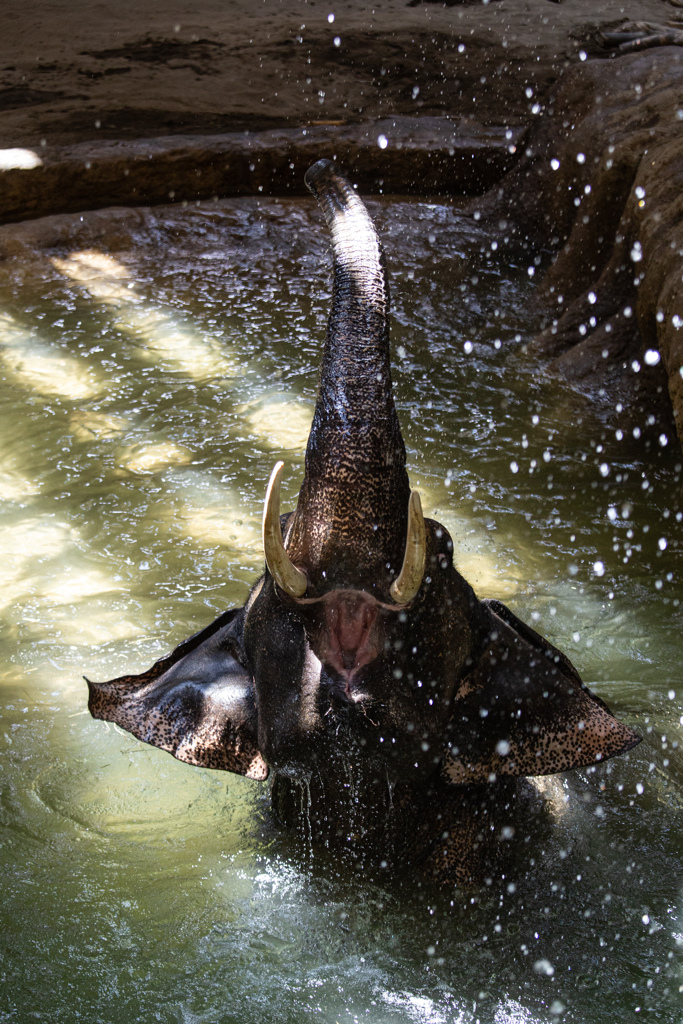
150, 377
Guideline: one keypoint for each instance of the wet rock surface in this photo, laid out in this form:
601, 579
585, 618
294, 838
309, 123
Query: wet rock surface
73, 73
601, 180
398, 154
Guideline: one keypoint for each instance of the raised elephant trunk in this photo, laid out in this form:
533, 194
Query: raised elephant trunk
349, 528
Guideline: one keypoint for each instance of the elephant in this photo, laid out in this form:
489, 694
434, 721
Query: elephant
397, 713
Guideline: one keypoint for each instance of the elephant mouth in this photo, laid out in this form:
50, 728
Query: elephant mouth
349, 636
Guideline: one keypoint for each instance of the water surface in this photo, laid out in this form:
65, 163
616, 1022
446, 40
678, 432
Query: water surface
152, 369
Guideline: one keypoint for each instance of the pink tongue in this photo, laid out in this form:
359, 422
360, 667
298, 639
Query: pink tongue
349, 642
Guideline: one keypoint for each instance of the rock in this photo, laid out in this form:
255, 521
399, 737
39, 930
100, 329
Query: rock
602, 182
139, 69
399, 154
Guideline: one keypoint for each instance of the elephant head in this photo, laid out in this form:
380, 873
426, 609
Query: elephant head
361, 643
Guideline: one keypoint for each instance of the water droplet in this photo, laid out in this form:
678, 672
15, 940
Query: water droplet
652, 357
599, 568
555, 164
382, 141
544, 967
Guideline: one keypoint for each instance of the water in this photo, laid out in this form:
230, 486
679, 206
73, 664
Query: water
154, 367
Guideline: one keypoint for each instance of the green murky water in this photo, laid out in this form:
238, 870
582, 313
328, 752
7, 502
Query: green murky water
153, 369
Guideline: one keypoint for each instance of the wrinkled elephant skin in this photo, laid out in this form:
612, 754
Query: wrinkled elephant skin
363, 669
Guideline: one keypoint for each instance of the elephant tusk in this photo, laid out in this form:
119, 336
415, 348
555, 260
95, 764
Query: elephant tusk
284, 572
409, 580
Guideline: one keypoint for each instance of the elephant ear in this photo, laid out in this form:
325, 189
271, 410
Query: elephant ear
523, 710
197, 703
